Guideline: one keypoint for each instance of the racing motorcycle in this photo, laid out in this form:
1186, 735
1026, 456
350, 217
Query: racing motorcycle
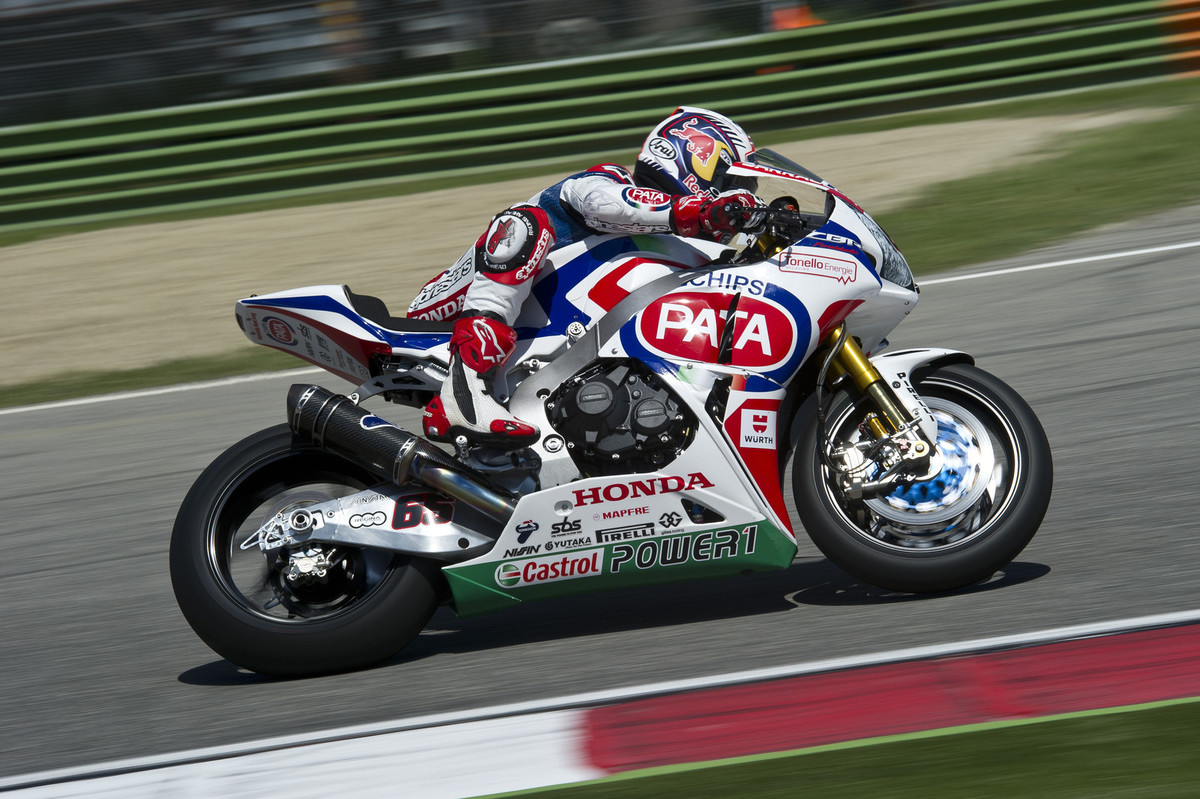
673, 381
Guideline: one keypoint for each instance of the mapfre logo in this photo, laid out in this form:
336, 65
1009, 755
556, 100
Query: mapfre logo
691, 325
840, 269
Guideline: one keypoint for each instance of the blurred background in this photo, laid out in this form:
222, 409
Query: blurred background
160, 158
61, 59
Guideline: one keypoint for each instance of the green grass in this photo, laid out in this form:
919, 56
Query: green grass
1095, 178
1100, 177
245, 360
1140, 752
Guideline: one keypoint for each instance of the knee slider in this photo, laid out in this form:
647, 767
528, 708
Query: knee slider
515, 244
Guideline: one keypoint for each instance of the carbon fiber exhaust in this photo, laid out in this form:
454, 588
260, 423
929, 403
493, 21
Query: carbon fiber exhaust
333, 422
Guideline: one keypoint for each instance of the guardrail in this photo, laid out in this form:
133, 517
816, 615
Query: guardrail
105, 169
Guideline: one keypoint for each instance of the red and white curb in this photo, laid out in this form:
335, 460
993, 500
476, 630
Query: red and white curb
586, 736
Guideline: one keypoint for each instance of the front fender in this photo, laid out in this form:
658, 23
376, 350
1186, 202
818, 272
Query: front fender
897, 368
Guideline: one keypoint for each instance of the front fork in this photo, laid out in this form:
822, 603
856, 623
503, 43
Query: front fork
894, 445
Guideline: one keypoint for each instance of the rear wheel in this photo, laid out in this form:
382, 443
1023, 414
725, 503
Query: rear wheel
290, 612
987, 491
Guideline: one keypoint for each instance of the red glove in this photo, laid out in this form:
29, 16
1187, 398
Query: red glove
718, 217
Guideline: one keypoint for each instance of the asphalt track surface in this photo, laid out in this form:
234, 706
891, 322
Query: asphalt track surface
99, 665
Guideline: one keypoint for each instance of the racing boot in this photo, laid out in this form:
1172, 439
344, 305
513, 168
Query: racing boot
479, 348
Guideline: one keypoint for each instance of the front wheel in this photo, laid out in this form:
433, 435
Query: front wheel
314, 609
988, 490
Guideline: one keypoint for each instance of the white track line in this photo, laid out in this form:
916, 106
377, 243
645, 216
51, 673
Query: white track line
254, 378
572, 702
1069, 262
154, 392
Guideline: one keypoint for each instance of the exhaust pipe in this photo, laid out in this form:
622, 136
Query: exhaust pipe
333, 422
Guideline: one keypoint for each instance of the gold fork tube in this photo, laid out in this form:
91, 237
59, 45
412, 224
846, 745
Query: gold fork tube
852, 362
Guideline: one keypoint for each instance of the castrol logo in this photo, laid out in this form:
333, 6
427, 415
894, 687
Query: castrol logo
586, 563
691, 326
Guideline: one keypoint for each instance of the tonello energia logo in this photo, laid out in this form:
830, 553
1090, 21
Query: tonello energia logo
690, 325
841, 269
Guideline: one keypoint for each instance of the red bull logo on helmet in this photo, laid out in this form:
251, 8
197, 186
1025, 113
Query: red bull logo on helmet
706, 145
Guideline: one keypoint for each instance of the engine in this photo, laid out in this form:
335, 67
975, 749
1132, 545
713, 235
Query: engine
620, 417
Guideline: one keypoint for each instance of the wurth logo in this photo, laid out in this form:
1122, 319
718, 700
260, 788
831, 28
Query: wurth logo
758, 429
616, 492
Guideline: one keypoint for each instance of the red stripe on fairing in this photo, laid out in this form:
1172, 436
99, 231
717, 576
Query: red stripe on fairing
833, 316
762, 462
360, 349
780, 715
607, 292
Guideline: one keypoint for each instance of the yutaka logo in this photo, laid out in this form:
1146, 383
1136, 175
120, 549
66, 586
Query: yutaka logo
691, 326
839, 269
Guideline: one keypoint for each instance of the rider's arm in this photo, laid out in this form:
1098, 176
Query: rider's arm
606, 203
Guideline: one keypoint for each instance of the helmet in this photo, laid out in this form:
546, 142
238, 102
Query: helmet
690, 151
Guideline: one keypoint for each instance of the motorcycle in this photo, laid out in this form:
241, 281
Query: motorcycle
672, 381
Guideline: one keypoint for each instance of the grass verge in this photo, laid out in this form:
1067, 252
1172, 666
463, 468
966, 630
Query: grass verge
187, 370
1102, 176
1125, 752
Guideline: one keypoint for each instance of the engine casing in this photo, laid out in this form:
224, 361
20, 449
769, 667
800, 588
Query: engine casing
619, 417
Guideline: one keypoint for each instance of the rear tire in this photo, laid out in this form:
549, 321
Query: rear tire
958, 527
368, 605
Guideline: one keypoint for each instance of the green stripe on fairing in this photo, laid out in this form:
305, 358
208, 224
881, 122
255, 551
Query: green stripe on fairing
474, 588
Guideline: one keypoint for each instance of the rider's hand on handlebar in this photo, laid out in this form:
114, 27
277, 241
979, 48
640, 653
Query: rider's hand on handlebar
719, 217
731, 212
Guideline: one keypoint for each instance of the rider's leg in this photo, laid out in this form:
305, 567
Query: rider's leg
508, 257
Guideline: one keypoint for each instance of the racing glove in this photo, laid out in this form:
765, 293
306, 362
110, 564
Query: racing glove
719, 217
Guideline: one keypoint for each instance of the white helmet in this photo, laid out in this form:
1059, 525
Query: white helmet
690, 151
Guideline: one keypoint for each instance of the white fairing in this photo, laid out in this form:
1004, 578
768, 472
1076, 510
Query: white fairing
897, 367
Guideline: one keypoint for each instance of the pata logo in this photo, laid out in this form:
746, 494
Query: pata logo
691, 326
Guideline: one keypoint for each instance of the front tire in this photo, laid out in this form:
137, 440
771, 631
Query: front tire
363, 608
986, 500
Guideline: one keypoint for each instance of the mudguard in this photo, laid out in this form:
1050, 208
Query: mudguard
897, 368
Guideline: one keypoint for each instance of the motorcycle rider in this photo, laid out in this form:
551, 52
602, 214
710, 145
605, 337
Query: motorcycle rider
677, 186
